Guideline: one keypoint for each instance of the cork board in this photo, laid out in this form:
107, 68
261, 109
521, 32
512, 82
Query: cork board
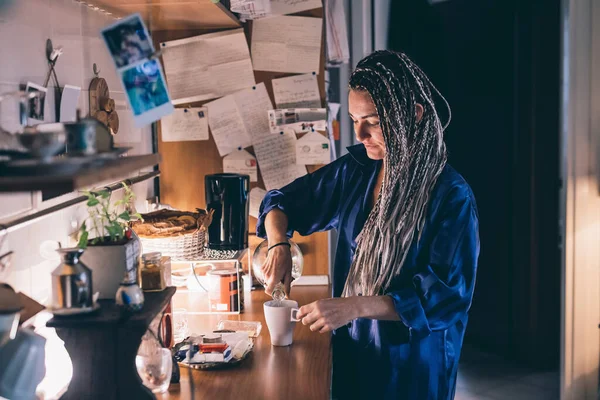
184, 164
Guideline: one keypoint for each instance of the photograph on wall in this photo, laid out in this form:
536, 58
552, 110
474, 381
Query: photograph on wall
128, 41
140, 74
36, 103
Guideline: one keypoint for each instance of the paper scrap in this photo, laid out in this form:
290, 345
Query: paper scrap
185, 124
312, 149
241, 162
238, 119
298, 91
207, 66
256, 197
297, 120
69, 100
286, 44
255, 9
276, 156
338, 51
281, 7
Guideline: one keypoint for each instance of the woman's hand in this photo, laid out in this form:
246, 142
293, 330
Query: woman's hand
328, 314
278, 268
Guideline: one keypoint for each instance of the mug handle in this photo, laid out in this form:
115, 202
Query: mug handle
292, 318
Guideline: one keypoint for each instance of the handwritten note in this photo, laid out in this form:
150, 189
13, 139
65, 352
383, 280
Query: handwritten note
207, 66
256, 197
276, 156
185, 124
312, 149
299, 91
286, 44
238, 119
241, 162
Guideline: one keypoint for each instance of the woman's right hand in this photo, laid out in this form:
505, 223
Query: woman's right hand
278, 268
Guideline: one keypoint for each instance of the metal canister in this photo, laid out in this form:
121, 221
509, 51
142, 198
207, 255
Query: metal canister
224, 293
71, 281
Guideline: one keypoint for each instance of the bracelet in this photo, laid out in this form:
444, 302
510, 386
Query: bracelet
279, 244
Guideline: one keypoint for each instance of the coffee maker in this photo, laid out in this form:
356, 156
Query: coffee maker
227, 197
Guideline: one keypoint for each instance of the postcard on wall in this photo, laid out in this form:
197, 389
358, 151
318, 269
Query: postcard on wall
287, 44
185, 124
298, 91
141, 75
37, 104
241, 162
239, 119
313, 149
207, 66
256, 197
297, 120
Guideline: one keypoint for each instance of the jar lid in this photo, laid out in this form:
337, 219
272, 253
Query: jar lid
151, 256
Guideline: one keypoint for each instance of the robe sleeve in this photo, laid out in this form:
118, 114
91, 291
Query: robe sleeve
442, 291
311, 202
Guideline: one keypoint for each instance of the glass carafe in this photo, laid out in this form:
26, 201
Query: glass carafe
260, 257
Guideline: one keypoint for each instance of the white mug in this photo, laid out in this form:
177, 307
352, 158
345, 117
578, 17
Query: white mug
281, 317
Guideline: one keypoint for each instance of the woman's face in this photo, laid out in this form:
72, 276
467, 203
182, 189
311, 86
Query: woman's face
366, 123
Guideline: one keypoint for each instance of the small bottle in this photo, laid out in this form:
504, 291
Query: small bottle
152, 276
130, 297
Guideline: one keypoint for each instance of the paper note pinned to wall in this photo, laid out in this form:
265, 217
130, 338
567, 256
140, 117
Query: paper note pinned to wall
256, 197
241, 162
69, 101
286, 44
207, 66
312, 149
185, 124
276, 156
239, 119
299, 91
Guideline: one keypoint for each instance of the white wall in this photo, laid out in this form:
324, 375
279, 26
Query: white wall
24, 29
581, 199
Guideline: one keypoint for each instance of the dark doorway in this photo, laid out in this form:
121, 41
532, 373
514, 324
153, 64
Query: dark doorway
498, 64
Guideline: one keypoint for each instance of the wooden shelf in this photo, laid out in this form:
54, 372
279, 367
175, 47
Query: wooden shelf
161, 15
112, 169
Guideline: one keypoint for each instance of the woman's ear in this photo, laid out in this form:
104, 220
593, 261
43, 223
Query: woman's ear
420, 110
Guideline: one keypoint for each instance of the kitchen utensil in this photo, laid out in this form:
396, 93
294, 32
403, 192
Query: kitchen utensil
227, 196
71, 281
281, 319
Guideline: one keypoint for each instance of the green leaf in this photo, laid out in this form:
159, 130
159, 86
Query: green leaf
83, 227
104, 194
125, 216
83, 240
93, 202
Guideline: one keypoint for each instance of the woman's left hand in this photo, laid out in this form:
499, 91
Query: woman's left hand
328, 314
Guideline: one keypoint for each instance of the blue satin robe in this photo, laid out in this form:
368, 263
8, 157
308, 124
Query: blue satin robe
416, 358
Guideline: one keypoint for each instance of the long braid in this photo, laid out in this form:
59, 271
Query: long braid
415, 157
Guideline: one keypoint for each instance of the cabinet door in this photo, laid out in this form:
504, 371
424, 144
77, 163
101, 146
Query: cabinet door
12, 204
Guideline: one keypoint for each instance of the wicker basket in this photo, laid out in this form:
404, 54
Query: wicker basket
188, 247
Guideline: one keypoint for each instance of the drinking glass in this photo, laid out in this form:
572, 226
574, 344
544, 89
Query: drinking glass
155, 369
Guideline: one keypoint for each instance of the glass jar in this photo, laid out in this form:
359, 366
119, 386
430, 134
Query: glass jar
260, 257
152, 274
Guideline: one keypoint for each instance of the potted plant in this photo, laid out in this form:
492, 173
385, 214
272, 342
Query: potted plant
111, 249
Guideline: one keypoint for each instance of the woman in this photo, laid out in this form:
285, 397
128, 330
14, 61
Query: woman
408, 240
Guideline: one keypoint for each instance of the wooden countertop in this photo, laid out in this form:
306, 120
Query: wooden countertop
299, 371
